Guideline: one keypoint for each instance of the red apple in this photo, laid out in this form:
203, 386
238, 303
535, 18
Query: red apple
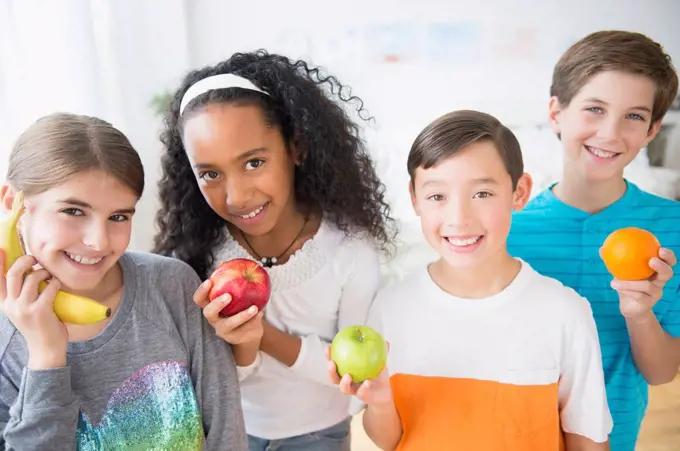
245, 280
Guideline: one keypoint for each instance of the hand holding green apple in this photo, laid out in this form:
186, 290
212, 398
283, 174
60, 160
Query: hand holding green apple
357, 363
359, 351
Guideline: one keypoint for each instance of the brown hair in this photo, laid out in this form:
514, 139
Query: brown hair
61, 145
615, 50
454, 131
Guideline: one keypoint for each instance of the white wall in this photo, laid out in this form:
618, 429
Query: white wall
409, 94
495, 72
149, 44
104, 58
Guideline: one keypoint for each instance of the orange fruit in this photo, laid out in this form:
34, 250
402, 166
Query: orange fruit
626, 253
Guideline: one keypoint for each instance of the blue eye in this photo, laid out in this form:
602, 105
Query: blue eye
594, 109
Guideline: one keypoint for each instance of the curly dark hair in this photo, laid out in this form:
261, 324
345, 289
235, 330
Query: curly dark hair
336, 174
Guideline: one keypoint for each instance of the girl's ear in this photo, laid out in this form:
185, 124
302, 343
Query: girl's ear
7, 194
296, 153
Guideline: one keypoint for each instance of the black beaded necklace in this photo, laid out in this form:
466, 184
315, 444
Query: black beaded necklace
268, 262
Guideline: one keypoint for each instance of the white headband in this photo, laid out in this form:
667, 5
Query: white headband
221, 81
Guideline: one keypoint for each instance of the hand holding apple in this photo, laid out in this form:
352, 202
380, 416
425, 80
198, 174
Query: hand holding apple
245, 280
357, 363
359, 351
372, 392
244, 327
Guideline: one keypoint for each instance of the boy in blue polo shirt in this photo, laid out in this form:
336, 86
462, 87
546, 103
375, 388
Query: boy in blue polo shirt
609, 94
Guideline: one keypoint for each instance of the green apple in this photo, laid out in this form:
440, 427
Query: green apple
359, 351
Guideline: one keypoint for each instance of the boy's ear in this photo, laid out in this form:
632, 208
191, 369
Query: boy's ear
412, 193
653, 131
7, 194
554, 110
523, 191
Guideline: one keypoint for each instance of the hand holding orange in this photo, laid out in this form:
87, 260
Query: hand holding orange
626, 253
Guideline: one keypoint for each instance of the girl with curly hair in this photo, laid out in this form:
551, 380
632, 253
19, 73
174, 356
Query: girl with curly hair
261, 162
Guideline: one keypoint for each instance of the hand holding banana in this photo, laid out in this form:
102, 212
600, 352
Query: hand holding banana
69, 308
32, 313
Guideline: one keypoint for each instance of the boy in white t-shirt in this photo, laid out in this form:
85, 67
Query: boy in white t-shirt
485, 353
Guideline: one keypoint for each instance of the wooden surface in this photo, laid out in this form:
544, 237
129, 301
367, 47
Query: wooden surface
660, 430
661, 427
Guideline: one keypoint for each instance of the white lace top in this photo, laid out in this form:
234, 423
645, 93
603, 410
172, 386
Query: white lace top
326, 285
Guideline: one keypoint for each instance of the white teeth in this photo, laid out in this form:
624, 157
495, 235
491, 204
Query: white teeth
466, 242
84, 260
253, 213
601, 153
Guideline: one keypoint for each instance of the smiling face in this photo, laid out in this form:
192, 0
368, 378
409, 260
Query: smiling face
465, 205
606, 124
242, 165
79, 229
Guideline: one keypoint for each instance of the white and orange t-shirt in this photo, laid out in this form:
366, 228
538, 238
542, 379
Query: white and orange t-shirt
506, 373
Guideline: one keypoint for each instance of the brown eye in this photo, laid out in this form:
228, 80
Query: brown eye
254, 164
482, 195
73, 211
208, 175
119, 218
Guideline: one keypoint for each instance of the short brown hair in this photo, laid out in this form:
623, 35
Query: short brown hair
61, 145
616, 50
452, 132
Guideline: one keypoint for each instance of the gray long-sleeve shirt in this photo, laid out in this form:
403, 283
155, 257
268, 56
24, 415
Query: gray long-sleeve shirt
156, 378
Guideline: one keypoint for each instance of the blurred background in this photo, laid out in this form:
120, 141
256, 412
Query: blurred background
409, 61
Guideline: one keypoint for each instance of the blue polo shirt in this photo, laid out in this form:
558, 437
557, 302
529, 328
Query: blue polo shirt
563, 242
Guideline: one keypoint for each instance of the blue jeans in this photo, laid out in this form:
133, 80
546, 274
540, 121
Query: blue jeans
334, 438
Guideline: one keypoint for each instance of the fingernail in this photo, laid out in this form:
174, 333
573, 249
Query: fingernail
252, 309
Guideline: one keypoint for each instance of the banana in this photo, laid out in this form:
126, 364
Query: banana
69, 308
